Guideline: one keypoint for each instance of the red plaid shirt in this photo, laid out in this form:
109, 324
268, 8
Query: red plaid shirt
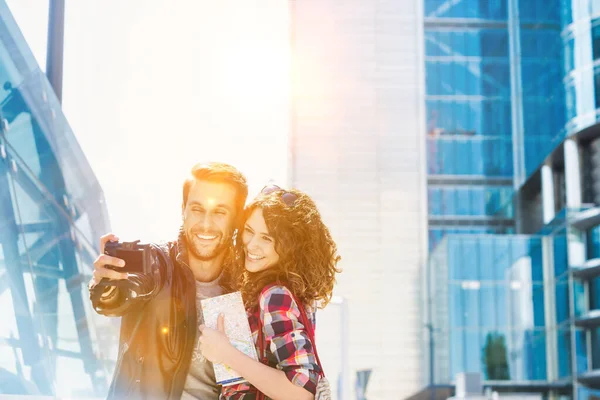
287, 344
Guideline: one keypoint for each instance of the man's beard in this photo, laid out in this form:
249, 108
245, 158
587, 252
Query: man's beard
224, 243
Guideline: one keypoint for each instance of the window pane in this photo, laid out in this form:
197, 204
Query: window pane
562, 301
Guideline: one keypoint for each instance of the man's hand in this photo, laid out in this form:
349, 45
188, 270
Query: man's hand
214, 344
100, 270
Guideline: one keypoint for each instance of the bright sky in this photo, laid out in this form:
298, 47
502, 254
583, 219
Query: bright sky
153, 86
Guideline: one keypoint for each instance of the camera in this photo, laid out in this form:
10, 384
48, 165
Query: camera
137, 256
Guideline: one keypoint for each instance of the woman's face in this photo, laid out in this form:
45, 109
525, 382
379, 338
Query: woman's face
259, 246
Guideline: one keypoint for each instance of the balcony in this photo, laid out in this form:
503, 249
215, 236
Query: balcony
589, 320
591, 379
587, 271
587, 219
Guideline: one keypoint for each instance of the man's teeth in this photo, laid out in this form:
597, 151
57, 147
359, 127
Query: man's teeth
254, 257
207, 237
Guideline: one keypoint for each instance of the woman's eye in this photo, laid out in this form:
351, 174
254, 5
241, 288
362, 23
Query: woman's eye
267, 239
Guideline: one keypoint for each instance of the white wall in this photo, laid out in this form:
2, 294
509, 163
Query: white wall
357, 147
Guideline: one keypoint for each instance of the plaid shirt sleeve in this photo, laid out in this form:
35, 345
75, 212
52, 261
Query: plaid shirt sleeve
286, 337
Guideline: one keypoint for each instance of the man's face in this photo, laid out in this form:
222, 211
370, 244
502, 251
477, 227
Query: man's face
209, 218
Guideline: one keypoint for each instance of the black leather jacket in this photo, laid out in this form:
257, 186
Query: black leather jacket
157, 330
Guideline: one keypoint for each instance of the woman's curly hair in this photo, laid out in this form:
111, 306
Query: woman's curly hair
307, 253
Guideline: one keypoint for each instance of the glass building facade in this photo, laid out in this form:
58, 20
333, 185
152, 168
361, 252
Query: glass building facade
513, 141
51, 213
492, 319
468, 106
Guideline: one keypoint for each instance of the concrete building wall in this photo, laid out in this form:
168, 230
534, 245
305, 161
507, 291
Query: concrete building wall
357, 146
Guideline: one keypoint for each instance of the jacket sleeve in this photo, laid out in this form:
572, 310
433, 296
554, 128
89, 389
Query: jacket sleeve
118, 297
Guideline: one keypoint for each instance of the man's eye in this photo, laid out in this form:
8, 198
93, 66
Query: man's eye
220, 212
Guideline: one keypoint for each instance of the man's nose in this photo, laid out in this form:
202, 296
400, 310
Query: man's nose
206, 222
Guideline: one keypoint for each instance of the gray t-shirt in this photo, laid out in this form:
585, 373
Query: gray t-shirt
200, 381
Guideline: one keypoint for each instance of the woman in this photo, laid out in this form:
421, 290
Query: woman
290, 258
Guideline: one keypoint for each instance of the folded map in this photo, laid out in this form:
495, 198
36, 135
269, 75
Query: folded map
237, 330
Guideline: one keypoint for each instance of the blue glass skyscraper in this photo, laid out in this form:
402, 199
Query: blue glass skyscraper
514, 184
468, 105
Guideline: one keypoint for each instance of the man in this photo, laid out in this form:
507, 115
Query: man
159, 356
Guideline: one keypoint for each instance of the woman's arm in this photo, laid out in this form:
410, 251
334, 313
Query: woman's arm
215, 346
272, 382
288, 343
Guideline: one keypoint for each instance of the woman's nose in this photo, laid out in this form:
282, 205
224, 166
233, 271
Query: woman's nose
251, 243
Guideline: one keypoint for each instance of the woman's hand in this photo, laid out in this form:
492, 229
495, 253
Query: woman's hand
215, 347
214, 344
